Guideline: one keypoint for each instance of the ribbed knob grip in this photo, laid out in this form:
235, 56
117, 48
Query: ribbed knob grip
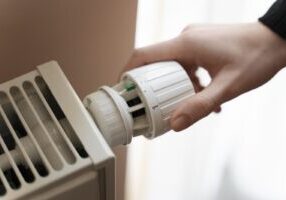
162, 87
106, 110
141, 104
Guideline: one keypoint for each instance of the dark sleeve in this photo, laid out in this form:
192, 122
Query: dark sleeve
275, 18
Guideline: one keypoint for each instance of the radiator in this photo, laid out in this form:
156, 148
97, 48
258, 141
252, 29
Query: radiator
54, 146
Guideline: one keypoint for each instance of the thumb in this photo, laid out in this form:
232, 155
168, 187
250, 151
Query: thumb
196, 108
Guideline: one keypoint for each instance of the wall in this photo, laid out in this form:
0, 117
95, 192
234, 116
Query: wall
91, 39
238, 154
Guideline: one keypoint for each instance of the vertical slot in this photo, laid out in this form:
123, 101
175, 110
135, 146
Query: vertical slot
59, 114
38, 131
26, 172
49, 123
12, 178
1, 151
6, 136
12, 116
3, 190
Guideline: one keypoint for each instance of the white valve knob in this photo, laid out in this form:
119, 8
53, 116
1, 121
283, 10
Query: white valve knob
141, 104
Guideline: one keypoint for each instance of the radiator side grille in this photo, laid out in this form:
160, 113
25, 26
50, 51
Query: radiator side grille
36, 139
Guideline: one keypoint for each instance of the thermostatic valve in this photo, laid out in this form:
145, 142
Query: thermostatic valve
141, 104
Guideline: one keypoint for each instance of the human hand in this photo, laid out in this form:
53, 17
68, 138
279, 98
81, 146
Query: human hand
238, 58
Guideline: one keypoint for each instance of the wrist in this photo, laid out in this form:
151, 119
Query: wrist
272, 46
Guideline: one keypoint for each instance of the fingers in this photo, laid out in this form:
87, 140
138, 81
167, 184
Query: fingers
196, 108
168, 50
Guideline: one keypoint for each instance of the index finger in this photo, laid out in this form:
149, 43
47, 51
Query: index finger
167, 50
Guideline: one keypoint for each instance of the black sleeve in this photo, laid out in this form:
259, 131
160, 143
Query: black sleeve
275, 18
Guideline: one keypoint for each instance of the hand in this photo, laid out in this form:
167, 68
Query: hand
238, 58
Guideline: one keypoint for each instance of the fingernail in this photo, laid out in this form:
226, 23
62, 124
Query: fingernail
180, 123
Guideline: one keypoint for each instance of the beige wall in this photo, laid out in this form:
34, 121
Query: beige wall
91, 39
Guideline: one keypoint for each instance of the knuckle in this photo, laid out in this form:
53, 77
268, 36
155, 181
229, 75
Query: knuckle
135, 59
190, 27
136, 53
189, 37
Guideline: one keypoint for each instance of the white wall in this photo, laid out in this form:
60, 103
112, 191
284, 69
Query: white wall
238, 154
